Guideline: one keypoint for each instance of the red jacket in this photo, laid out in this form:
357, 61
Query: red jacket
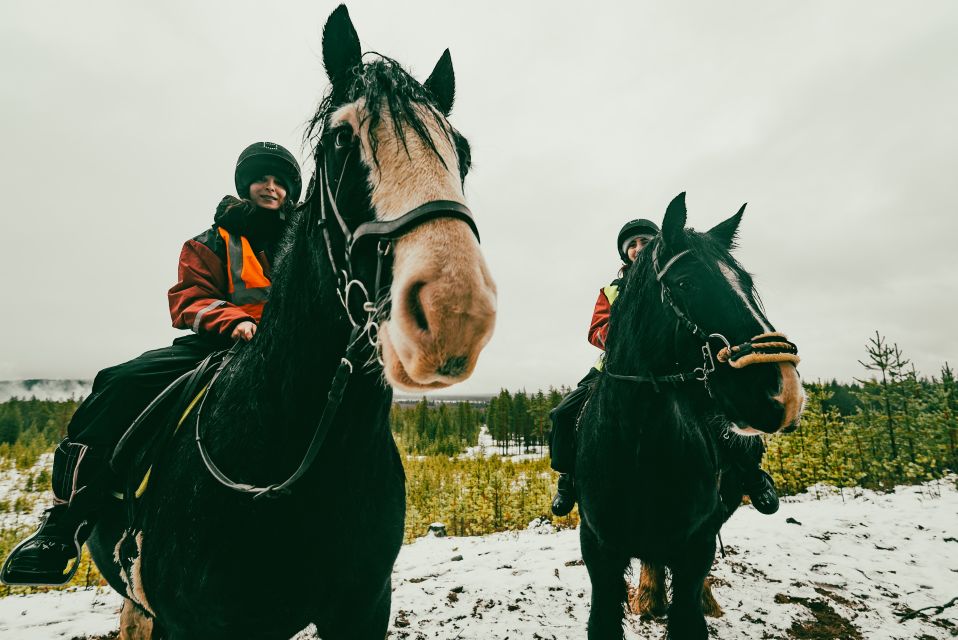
599, 329
223, 281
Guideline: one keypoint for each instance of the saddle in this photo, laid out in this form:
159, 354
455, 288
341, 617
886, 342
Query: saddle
151, 433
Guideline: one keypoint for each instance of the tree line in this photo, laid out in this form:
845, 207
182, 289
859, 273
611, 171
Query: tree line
517, 422
892, 426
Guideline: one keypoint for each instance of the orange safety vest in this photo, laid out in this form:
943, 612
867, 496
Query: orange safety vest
248, 284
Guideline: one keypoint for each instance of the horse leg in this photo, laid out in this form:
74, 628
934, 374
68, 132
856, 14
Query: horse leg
607, 574
648, 599
134, 624
710, 606
686, 620
359, 617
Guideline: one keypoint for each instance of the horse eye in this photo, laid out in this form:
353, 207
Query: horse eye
344, 137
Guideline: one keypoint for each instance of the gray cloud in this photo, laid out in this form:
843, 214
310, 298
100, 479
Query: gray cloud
834, 121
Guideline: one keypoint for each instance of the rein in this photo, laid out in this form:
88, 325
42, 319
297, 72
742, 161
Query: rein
382, 234
763, 348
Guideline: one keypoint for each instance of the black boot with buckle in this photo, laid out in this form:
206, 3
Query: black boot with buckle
52, 554
761, 492
564, 499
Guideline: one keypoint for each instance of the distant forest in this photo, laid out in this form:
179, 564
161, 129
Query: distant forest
892, 426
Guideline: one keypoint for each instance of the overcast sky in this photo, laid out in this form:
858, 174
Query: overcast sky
836, 121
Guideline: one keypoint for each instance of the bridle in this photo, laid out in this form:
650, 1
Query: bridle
765, 347
381, 233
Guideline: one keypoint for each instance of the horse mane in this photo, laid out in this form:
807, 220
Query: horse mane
383, 82
640, 292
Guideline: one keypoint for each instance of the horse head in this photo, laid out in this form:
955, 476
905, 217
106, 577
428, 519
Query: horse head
390, 169
698, 310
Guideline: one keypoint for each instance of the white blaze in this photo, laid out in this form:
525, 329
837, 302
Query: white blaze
733, 280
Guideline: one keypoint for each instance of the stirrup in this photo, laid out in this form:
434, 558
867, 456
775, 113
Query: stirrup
51, 578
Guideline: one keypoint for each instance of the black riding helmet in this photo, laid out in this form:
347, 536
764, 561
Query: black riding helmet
631, 229
268, 158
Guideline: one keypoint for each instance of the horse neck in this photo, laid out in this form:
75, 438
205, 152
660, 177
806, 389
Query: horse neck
645, 344
286, 371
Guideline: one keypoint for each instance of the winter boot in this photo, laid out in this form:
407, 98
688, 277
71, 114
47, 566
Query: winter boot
761, 491
564, 499
52, 554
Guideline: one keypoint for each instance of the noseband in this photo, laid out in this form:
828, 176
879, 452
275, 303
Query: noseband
763, 348
382, 234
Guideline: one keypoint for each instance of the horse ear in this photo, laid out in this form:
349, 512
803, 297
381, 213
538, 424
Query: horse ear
725, 231
441, 83
341, 51
673, 226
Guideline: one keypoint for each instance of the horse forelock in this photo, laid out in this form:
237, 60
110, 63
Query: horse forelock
394, 115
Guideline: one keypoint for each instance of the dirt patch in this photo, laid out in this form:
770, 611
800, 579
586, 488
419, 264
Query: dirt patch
827, 624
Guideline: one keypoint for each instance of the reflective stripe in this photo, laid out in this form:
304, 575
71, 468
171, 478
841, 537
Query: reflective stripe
199, 316
247, 282
611, 292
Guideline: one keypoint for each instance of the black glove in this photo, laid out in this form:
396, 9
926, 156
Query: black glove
232, 209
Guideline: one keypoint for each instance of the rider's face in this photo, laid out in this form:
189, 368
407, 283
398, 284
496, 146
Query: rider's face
635, 245
267, 193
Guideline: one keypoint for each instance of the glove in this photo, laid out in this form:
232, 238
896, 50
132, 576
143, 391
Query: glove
232, 208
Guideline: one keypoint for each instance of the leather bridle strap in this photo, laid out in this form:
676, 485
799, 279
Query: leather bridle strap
392, 229
336, 391
675, 378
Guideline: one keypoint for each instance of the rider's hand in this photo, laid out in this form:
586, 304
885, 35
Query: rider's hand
231, 206
244, 331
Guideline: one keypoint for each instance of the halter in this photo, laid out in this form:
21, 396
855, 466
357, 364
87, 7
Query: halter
380, 233
763, 348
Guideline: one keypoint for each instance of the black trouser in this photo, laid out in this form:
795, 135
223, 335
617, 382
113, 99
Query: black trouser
564, 418
745, 454
119, 395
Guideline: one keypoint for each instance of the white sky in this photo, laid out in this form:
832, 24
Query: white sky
835, 121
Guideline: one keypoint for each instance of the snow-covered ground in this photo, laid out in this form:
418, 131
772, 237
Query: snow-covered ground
829, 568
13, 486
486, 446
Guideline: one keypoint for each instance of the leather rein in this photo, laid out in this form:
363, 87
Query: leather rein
765, 347
383, 234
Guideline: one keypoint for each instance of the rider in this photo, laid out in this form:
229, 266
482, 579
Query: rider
222, 289
632, 238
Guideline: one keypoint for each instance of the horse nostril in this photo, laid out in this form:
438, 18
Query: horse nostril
414, 305
454, 366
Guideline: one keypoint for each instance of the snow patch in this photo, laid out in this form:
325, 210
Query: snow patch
866, 555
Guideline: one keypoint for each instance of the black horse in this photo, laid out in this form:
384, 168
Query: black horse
689, 349
384, 253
